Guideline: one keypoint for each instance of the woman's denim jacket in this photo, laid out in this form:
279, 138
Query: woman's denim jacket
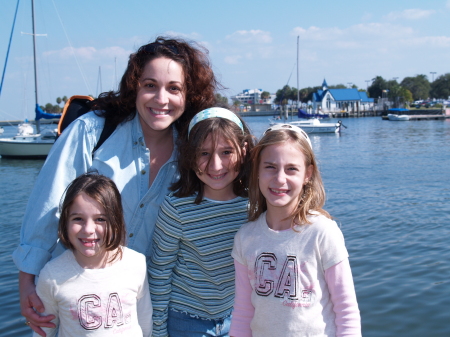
123, 157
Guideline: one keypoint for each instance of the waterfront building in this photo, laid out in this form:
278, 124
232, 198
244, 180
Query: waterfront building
250, 96
337, 100
250, 100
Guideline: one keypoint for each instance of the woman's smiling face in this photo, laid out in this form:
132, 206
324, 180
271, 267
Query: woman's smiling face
160, 99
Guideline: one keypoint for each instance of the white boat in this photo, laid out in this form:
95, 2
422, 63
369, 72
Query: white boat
310, 125
1, 129
27, 143
394, 117
314, 125
27, 146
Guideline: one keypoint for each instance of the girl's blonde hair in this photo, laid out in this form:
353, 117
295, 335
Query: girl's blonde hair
103, 190
313, 192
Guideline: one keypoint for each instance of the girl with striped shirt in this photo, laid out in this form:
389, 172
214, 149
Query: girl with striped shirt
191, 270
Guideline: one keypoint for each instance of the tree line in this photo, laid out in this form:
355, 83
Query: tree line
289, 94
56, 108
408, 90
411, 88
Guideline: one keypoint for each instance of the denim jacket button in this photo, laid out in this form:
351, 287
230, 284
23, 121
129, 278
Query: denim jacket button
143, 171
131, 235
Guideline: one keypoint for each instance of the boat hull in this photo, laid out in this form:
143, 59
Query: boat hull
394, 117
322, 128
25, 147
315, 126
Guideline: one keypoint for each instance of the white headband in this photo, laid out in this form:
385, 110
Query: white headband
215, 112
289, 127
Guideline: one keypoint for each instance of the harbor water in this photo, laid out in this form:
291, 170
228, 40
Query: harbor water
388, 188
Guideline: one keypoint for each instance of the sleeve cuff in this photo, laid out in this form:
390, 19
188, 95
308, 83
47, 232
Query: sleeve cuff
30, 259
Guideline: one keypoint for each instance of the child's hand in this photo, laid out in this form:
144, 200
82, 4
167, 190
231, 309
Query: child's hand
30, 304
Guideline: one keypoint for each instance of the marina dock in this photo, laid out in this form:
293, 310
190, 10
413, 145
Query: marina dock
421, 117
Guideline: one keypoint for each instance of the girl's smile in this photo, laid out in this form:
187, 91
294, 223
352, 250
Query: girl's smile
86, 231
282, 174
217, 168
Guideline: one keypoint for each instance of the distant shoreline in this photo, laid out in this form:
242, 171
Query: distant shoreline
16, 122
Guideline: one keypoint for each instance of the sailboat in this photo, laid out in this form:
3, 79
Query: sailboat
310, 123
27, 143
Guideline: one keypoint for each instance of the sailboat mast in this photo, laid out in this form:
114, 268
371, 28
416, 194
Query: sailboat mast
38, 126
298, 88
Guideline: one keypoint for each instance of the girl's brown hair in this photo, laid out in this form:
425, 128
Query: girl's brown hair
313, 193
199, 86
104, 191
190, 151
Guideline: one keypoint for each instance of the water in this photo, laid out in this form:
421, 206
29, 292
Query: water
387, 186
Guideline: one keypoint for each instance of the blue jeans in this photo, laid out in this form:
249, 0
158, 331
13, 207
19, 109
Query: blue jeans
183, 325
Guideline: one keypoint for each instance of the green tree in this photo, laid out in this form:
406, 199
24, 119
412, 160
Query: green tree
405, 95
393, 87
340, 86
282, 95
265, 95
58, 100
418, 85
221, 99
50, 108
376, 88
293, 95
306, 94
440, 88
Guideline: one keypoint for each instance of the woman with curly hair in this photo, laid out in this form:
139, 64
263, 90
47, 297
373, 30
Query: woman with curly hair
165, 84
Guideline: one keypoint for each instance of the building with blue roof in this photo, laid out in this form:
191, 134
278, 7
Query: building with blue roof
336, 100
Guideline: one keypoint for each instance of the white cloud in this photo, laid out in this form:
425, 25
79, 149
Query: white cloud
88, 53
318, 34
246, 45
234, 59
250, 37
361, 36
410, 14
83, 52
430, 41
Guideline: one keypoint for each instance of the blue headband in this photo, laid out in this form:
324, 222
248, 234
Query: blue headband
215, 112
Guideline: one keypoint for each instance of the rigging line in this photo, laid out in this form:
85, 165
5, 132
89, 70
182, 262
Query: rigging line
71, 48
283, 93
289, 79
9, 47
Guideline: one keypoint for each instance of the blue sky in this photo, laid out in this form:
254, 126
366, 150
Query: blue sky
252, 44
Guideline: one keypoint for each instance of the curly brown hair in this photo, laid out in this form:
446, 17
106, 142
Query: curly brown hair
200, 82
190, 151
103, 190
313, 193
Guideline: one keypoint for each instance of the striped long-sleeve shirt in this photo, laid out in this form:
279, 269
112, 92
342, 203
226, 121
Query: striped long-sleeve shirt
191, 268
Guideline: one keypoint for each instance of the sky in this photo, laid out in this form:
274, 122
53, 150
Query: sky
252, 44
